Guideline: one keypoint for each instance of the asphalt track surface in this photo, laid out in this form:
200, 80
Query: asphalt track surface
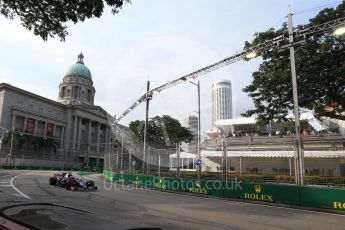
143, 207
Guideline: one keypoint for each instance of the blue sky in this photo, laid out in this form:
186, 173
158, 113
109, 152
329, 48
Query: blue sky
156, 39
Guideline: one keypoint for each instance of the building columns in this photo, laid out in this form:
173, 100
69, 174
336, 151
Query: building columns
75, 126
79, 133
14, 120
98, 137
89, 141
62, 138
106, 139
36, 125
45, 129
25, 123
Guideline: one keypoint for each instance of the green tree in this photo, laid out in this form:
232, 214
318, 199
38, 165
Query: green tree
163, 131
320, 65
25, 141
48, 18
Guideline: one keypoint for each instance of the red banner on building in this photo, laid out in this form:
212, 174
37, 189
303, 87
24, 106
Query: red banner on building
50, 129
30, 125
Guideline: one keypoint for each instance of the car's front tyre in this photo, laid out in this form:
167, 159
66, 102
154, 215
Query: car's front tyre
52, 180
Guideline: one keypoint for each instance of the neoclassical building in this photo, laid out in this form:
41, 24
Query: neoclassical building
80, 130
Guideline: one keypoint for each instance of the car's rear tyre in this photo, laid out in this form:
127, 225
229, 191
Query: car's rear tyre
68, 187
90, 183
52, 180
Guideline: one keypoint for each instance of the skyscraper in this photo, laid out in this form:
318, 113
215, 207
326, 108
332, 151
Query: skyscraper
221, 100
191, 122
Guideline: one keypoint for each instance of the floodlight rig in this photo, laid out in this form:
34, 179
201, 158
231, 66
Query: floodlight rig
280, 42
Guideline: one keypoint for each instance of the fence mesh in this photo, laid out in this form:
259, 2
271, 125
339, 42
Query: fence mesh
267, 159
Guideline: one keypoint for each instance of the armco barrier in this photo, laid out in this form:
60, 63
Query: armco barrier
316, 197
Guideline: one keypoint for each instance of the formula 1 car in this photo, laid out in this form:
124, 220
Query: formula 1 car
66, 180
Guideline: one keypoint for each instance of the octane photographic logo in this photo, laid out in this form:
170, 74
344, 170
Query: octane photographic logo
119, 185
137, 181
176, 185
121, 179
160, 184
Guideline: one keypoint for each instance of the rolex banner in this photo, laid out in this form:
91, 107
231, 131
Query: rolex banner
30, 125
315, 197
50, 129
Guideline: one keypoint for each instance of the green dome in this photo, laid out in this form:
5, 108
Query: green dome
79, 69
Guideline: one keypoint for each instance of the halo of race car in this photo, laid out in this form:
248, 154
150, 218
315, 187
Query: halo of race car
69, 182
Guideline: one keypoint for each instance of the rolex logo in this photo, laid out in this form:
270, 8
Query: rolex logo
258, 188
197, 188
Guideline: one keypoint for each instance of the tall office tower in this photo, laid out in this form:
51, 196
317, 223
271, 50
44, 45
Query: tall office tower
221, 100
191, 122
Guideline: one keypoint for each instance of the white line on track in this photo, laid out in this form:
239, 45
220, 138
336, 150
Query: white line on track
16, 189
5, 175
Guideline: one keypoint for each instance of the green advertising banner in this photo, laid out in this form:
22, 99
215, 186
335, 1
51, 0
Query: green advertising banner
316, 197
331, 198
286, 194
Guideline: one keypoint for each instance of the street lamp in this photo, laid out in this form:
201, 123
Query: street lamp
299, 154
199, 156
224, 157
147, 99
121, 133
251, 55
339, 31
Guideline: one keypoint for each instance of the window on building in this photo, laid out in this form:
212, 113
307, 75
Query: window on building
20, 103
49, 113
30, 125
173, 162
40, 127
30, 107
58, 131
191, 164
63, 89
19, 125
75, 91
50, 129
89, 95
40, 110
